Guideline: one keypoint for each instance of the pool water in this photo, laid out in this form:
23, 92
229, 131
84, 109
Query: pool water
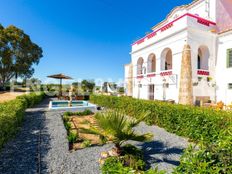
66, 103
76, 105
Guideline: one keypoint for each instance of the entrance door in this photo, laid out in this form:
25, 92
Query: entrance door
151, 92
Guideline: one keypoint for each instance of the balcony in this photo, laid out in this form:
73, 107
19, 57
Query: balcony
140, 76
152, 74
201, 72
166, 73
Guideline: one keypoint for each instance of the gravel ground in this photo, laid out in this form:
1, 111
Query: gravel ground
20, 155
164, 151
41, 146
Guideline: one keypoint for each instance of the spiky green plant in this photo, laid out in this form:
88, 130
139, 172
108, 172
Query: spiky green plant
114, 126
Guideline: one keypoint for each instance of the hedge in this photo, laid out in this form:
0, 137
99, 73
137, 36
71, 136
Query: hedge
208, 127
12, 114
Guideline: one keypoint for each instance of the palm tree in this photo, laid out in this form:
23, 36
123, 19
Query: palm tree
114, 126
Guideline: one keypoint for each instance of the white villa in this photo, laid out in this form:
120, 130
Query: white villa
187, 55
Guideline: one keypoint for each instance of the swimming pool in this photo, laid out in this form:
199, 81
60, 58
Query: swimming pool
76, 105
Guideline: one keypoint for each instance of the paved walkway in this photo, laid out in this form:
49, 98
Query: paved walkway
41, 146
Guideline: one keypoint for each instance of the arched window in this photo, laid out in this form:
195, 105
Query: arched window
140, 66
203, 58
166, 59
151, 63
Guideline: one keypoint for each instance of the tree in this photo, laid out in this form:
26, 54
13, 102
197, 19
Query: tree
87, 85
112, 86
116, 127
75, 84
31, 81
17, 54
121, 90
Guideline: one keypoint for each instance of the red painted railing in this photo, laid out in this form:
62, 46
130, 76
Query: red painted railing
141, 41
151, 75
139, 76
151, 35
166, 27
166, 73
203, 22
200, 20
202, 72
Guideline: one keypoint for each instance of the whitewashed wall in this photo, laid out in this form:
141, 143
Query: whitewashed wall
197, 38
186, 30
223, 74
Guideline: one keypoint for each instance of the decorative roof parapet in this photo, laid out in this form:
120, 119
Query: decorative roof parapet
200, 20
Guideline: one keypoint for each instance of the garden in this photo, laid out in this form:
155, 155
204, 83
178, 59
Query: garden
210, 131
86, 129
74, 122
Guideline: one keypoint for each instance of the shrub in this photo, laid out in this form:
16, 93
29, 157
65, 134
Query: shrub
114, 165
86, 143
131, 160
68, 113
206, 126
12, 114
32, 98
67, 126
72, 137
209, 158
87, 112
66, 118
114, 126
132, 157
84, 113
192, 122
132, 150
154, 171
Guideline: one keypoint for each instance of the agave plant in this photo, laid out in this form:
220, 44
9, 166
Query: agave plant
114, 126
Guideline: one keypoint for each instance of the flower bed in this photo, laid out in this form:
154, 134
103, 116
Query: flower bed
210, 128
74, 122
12, 114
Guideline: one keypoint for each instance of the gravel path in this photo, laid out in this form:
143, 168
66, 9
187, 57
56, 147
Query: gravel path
41, 146
164, 151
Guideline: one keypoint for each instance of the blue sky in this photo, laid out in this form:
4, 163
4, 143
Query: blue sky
86, 39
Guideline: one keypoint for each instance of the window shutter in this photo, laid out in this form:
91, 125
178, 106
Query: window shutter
229, 58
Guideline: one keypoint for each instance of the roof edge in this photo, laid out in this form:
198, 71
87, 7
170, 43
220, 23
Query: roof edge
225, 31
174, 9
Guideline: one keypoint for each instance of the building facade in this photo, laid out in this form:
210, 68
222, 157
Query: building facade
187, 55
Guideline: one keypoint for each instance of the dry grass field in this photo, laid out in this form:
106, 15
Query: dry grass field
7, 96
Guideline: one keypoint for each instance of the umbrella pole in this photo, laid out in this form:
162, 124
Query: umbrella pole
61, 87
